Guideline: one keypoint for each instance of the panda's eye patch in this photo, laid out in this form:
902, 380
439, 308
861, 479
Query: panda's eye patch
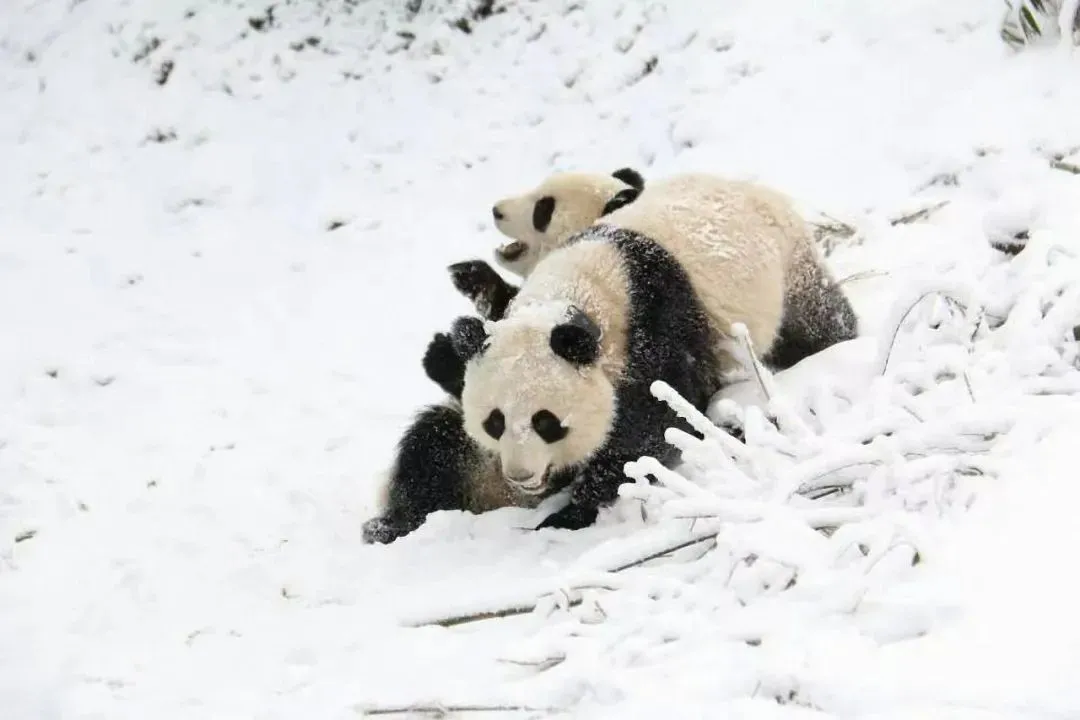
548, 427
542, 212
495, 424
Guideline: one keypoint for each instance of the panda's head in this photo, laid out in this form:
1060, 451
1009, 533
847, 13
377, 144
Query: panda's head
534, 392
542, 219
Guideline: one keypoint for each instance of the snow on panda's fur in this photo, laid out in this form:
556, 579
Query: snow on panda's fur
737, 252
559, 389
813, 311
752, 259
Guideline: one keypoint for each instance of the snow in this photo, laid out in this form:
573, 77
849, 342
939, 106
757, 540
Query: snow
201, 382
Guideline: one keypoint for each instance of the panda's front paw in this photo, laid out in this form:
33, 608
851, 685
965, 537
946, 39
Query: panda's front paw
474, 278
571, 517
384, 530
478, 281
599, 485
444, 366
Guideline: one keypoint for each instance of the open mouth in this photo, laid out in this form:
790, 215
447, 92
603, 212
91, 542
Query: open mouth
512, 251
534, 486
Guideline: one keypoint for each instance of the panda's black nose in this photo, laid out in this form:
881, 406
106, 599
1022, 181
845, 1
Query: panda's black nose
497, 213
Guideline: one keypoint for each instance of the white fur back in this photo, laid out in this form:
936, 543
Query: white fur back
739, 242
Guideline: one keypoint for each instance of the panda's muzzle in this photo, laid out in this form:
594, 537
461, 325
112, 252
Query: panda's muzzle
512, 251
527, 482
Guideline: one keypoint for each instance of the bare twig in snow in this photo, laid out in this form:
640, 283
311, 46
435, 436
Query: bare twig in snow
709, 537
814, 517
531, 597
539, 665
917, 215
520, 608
829, 232
441, 711
1065, 166
863, 275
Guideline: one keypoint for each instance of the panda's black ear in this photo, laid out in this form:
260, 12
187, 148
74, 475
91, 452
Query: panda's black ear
574, 344
467, 336
577, 340
631, 177
621, 199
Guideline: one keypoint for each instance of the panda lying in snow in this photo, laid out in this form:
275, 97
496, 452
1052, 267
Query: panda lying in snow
437, 466
556, 393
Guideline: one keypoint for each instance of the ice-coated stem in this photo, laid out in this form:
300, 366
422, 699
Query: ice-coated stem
904, 306
779, 405
665, 393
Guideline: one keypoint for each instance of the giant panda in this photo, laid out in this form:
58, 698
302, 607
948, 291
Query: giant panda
441, 466
560, 386
814, 312
558, 390
437, 466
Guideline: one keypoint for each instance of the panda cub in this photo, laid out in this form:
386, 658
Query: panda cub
437, 465
813, 311
559, 387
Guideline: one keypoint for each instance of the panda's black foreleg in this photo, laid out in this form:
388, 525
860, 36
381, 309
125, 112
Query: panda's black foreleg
640, 429
444, 360
444, 366
815, 318
478, 281
571, 517
596, 486
431, 472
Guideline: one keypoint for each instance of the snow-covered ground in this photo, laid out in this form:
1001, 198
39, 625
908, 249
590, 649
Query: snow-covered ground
223, 234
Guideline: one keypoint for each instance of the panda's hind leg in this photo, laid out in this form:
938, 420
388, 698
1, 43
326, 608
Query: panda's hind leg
434, 465
817, 315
